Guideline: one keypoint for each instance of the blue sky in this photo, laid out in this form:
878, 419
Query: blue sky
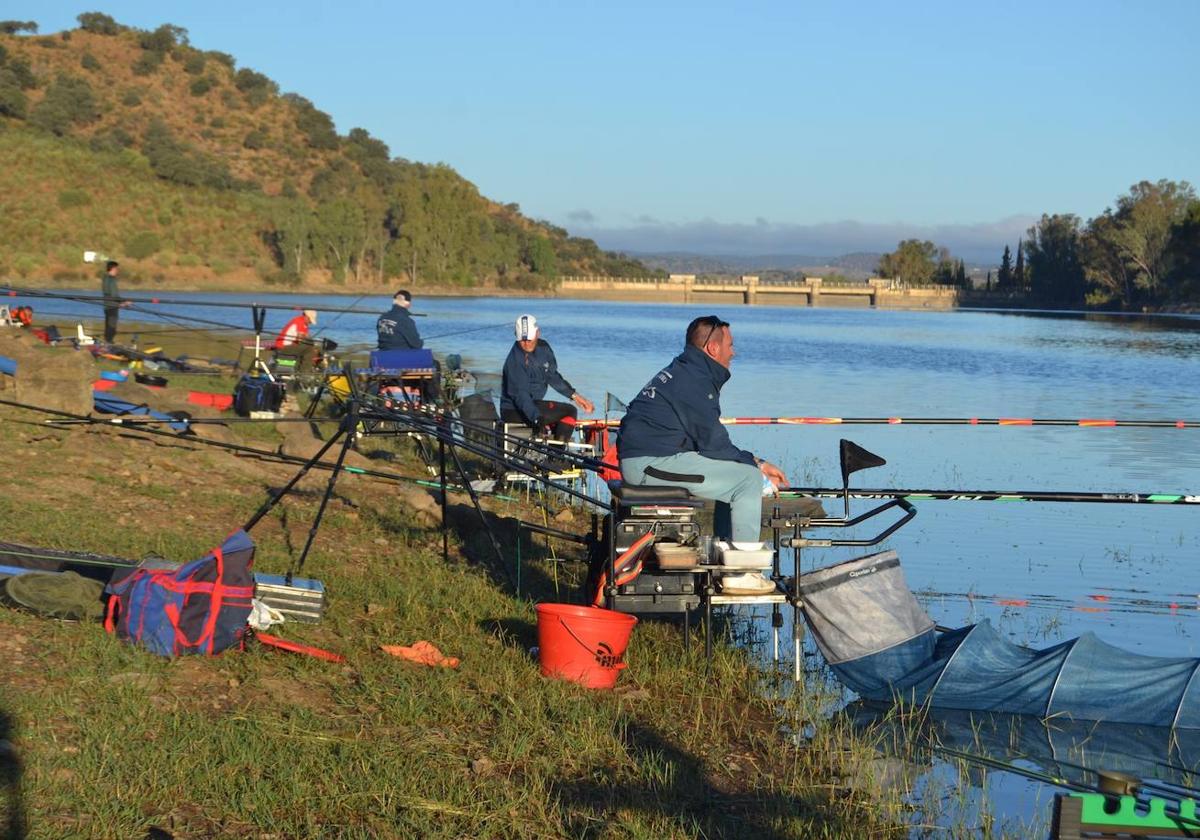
749, 127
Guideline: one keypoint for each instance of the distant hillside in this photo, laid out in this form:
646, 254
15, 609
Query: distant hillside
860, 265
188, 168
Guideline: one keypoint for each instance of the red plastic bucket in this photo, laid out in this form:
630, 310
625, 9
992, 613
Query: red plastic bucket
585, 645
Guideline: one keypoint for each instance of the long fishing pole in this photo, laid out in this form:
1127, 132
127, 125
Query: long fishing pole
471, 330
14, 291
1083, 422
1175, 800
264, 454
999, 496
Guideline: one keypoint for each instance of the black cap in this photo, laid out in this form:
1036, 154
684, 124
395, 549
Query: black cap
404, 293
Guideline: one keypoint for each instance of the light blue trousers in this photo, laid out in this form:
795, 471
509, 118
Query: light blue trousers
736, 487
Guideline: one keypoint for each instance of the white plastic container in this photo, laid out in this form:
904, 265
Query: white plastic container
734, 559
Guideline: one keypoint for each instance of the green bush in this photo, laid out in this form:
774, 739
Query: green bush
22, 73
26, 264
174, 161
147, 63
98, 23
73, 198
163, 40
143, 245
89, 62
194, 64
256, 139
13, 102
115, 139
247, 79
201, 86
3, 54
222, 58
14, 27
217, 122
188, 261
68, 102
131, 98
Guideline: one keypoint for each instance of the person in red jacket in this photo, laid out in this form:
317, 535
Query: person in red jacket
296, 330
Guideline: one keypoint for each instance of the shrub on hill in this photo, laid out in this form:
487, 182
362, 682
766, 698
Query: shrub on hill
147, 63
256, 139
176, 161
68, 102
89, 62
14, 27
194, 64
13, 101
73, 198
142, 245
201, 86
99, 23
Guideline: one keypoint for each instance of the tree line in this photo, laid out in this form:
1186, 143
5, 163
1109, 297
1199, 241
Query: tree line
1141, 254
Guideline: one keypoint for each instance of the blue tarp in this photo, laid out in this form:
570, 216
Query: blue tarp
107, 404
975, 668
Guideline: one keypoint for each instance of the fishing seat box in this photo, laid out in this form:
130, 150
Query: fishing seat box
669, 512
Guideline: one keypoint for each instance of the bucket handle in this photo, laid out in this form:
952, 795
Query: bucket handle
619, 665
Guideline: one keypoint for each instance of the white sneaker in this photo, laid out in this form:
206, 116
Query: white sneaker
746, 584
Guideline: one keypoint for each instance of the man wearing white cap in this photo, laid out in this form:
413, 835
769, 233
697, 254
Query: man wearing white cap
295, 330
529, 371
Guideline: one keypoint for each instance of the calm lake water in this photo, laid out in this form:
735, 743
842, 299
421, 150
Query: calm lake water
1041, 572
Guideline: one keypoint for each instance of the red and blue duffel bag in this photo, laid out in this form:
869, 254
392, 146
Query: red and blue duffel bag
200, 608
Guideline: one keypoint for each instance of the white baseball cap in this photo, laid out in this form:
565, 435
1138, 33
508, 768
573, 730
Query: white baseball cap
526, 328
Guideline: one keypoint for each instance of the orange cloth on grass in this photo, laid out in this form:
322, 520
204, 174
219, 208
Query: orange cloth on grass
423, 653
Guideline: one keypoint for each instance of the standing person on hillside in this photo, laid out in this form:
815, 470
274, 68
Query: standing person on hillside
395, 328
295, 331
112, 299
529, 370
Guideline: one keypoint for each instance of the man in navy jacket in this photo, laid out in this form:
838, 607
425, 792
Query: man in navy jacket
529, 371
395, 328
672, 434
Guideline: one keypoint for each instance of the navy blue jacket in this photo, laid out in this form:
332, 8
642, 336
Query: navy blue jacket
397, 331
526, 377
679, 410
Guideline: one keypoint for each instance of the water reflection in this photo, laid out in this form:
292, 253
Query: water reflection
1016, 763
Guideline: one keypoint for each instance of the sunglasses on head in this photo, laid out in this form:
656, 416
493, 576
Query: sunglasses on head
714, 324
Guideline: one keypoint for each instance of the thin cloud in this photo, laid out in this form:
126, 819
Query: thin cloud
582, 217
981, 242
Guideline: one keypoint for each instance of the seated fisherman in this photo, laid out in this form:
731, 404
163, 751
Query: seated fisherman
672, 435
528, 371
395, 328
295, 331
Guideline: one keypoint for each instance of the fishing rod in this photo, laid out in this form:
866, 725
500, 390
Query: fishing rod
264, 454
1175, 800
14, 291
998, 496
1169, 788
471, 330
1084, 422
